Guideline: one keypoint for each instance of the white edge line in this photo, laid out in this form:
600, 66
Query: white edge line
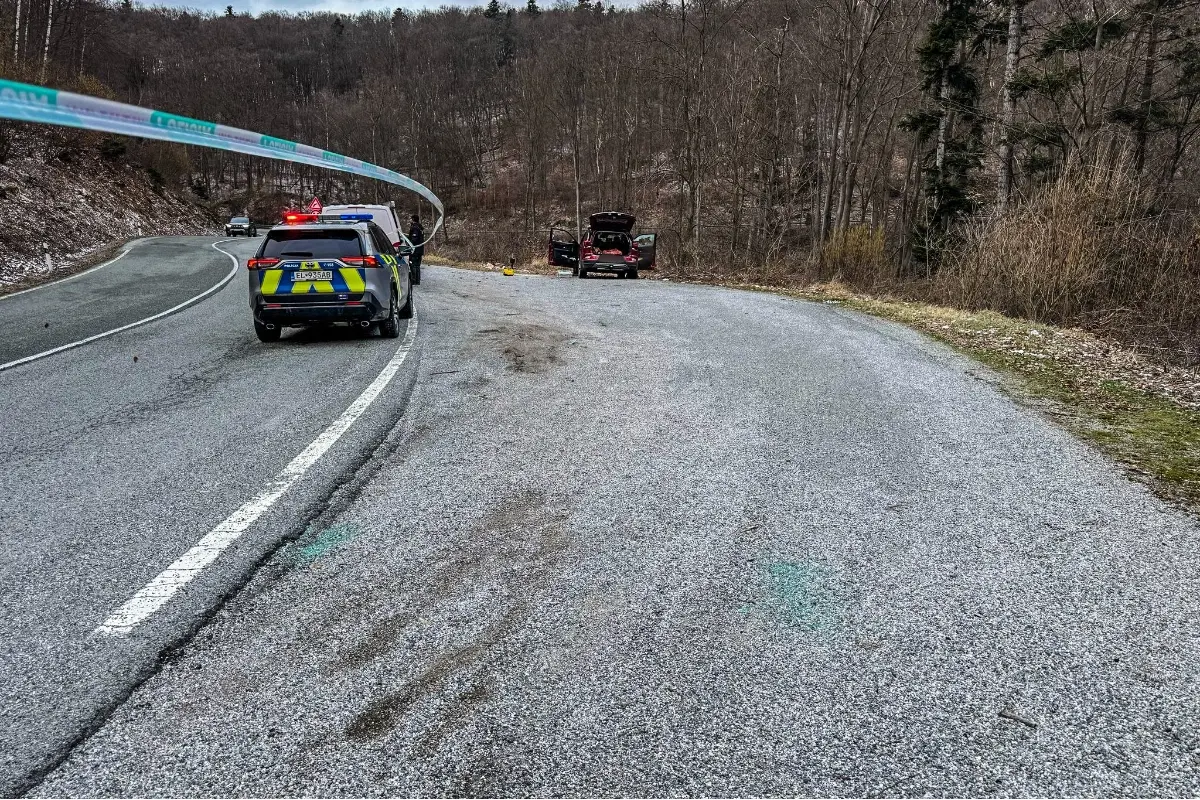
159, 315
171, 580
87, 271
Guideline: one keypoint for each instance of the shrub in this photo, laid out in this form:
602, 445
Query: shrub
111, 149
856, 256
1093, 250
156, 180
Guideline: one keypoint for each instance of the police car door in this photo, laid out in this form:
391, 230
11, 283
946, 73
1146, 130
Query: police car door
398, 264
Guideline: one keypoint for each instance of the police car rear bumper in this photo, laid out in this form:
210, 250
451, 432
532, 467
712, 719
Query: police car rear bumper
318, 310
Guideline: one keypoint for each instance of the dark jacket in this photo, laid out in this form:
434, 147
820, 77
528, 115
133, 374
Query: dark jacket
416, 235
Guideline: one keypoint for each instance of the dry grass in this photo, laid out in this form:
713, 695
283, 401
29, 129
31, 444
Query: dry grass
496, 246
1092, 250
856, 256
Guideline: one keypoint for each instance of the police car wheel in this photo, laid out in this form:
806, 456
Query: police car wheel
266, 334
390, 327
407, 311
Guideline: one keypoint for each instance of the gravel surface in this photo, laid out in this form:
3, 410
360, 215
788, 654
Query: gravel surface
116, 457
628, 538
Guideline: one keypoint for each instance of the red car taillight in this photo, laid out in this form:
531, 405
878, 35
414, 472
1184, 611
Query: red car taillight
261, 263
360, 261
587, 252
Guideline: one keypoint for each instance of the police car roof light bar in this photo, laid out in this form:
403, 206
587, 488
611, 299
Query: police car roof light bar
294, 218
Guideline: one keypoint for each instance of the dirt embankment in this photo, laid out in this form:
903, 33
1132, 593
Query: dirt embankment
69, 199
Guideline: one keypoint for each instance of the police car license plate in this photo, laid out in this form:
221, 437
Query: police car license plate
312, 275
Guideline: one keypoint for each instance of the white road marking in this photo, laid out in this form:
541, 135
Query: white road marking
88, 271
160, 315
155, 594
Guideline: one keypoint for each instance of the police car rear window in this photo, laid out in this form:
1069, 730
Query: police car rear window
312, 244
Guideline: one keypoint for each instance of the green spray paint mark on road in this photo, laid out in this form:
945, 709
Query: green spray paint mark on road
800, 595
325, 541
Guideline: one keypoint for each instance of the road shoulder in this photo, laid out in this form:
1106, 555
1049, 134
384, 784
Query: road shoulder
1142, 414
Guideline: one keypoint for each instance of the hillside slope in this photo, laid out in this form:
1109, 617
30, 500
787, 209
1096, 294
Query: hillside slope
71, 197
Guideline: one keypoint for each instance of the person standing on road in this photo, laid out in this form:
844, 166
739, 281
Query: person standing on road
416, 235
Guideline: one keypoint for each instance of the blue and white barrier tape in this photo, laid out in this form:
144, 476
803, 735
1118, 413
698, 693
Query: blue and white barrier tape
28, 103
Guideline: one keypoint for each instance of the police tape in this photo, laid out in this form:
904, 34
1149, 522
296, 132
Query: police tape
28, 103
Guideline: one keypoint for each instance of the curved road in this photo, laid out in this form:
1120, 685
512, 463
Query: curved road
594, 537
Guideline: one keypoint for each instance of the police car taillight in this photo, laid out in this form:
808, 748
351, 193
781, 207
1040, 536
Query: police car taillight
360, 261
261, 263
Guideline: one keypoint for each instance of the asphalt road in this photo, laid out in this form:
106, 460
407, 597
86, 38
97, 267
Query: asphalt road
596, 537
129, 288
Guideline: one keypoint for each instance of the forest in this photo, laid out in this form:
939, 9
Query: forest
1037, 157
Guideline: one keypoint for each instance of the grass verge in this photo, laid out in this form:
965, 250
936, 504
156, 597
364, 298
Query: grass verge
1144, 415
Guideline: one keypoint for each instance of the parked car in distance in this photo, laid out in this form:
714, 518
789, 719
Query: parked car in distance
240, 226
608, 246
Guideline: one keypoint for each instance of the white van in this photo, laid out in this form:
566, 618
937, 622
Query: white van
383, 216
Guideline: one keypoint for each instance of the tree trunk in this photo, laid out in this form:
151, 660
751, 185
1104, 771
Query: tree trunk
1147, 91
1008, 111
46, 47
575, 165
17, 35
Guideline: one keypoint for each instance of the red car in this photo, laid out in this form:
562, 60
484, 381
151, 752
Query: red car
608, 246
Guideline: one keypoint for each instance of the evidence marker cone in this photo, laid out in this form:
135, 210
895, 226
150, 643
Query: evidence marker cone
509, 269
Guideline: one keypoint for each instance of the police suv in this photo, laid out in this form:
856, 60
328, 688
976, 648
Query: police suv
317, 270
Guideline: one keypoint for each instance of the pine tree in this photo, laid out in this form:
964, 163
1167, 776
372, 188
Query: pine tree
950, 124
493, 9
531, 8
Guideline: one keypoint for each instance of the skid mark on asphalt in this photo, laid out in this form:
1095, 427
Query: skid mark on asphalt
184, 388
527, 348
517, 546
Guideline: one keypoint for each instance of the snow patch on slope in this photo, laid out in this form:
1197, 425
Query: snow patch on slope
60, 198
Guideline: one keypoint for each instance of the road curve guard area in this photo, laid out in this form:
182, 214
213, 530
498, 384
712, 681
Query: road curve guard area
29, 103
